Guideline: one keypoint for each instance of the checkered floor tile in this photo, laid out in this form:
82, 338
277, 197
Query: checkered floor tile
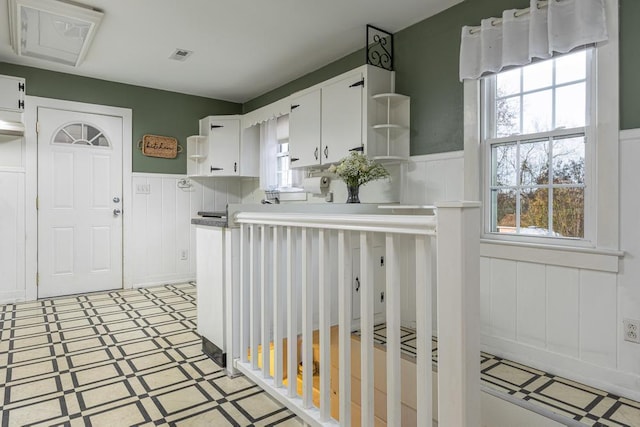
127, 358
587, 405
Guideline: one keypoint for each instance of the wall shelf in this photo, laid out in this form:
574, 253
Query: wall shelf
391, 127
197, 151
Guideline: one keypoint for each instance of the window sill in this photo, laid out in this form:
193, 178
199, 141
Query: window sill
563, 256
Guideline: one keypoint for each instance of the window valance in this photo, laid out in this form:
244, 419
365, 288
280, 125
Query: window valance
537, 32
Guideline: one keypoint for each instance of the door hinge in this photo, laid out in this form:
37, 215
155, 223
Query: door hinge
37, 203
21, 104
356, 84
38, 127
20, 87
37, 279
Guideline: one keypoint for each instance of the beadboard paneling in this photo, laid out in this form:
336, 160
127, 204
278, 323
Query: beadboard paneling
162, 228
12, 236
563, 310
433, 178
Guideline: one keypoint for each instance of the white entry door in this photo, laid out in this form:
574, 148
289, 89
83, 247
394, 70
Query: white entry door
79, 202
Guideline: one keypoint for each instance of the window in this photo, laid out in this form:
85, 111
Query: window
538, 147
81, 134
275, 164
283, 160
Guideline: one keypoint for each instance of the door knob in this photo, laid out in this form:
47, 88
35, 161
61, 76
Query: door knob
117, 212
116, 199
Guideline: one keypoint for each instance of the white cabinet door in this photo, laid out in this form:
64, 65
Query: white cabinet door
341, 117
304, 130
12, 91
379, 283
224, 148
209, 283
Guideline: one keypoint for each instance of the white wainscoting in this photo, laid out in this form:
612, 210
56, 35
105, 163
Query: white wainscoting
433, 178
563, 319
12, 235
162, 229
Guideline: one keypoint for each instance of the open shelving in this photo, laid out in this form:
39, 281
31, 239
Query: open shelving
392, 127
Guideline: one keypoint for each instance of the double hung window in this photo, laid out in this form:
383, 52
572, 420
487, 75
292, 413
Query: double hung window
538, 148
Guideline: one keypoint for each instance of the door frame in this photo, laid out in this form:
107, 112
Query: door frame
32, 103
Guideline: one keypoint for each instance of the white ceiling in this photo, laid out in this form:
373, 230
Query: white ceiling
243, 48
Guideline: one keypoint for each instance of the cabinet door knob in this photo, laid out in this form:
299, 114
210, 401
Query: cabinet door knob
293, 107
356, 84
294, 159
326, 152
315, 153
212, 169
235, 166
360, 148
216, 126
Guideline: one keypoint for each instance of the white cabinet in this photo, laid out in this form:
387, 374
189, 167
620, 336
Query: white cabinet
341, 124
12, 90
218, 292
223, 149
304, 129
353, 111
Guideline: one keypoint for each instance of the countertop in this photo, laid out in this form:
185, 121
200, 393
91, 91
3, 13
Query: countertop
211, 222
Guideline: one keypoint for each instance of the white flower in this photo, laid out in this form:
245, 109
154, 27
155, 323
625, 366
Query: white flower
356, 170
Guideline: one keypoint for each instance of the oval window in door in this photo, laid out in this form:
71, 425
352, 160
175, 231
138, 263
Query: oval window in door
82, 134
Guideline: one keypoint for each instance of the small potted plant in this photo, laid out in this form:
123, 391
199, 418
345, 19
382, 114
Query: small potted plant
356, 170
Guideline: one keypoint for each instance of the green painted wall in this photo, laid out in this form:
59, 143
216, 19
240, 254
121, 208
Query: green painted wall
155, 111
629, 64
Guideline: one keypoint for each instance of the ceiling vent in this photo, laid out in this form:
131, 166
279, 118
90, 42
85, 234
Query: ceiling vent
181, 54
52, 30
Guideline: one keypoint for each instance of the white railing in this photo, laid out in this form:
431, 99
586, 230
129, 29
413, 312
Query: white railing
296, 268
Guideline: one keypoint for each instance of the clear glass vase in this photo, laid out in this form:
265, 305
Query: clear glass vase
353, 193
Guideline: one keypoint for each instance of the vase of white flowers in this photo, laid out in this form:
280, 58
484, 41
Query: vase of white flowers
356, 170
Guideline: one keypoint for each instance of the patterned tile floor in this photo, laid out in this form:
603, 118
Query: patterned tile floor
587, 405
127, 358
132, 358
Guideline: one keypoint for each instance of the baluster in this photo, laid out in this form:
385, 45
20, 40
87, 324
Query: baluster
423, 331
277, 308
244, 294
392, 293
265, 307
366, 326
307, 322
292, 320
345, 315
325, 324
253, 298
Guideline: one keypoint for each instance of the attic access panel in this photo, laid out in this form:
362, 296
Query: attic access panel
52, 30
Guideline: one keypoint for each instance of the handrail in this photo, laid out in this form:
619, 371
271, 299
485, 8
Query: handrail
400, 224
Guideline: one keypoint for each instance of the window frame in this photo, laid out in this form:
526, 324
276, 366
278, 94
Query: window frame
487, 113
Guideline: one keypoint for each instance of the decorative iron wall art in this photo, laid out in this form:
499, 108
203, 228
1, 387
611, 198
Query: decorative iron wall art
379, 48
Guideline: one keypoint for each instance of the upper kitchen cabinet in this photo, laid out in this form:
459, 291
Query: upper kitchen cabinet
223, 149
341, 123
304, 129
355, 111
12, 90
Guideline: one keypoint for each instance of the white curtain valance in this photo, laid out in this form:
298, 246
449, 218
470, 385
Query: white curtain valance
537, 32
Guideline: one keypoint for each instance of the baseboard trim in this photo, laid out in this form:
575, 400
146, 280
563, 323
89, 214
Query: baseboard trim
611, 380
169, 281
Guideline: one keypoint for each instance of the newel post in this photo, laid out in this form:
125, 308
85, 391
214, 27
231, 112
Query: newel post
458, 279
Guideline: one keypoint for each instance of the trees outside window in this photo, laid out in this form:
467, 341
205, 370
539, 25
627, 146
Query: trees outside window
536, 136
